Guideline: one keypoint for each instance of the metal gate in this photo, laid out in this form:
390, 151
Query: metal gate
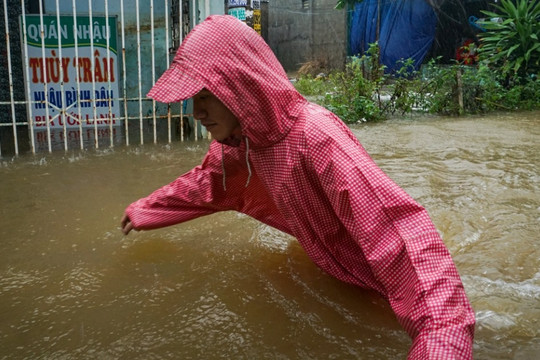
74, 74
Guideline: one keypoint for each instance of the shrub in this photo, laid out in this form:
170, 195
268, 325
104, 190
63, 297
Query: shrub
311, 86
511, 42
364, 93
354, 89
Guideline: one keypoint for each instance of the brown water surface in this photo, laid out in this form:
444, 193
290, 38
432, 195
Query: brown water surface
224, 286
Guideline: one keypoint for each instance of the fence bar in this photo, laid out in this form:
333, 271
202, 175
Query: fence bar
15, 138
139, 71
45, 76
167, 57
180, 38
93, 62
124, 81
109, 70
194, 22
194, 12
77, 79
27, 81
180, 22
62, 113
153, 66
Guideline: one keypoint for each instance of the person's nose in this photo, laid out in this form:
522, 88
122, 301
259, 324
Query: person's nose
199, 112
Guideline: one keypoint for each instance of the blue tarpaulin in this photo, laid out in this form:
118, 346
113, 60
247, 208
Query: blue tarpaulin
407, 30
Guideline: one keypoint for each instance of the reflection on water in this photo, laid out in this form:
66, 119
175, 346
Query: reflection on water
225, 286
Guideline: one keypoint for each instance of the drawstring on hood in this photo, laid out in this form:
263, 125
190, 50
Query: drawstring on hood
247, 163
223, 167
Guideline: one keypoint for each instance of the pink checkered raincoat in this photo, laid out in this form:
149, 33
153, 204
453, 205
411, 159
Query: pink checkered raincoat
300, 169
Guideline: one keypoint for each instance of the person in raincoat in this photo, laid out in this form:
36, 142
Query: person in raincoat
296, 166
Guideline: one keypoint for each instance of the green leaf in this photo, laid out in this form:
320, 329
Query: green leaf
518, 64
510, 8
490, 14
491, 38
531, 50
511, 50
508, 22
522, 8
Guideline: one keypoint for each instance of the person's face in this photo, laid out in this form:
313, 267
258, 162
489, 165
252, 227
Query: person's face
215, 116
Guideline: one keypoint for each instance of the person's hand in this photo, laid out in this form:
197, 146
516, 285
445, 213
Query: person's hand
127, 226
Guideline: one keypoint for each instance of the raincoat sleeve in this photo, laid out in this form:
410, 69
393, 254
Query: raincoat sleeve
196, 193
206, 189
400, 243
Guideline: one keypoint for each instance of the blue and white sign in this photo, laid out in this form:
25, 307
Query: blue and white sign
233, 3
239, 13
72, 85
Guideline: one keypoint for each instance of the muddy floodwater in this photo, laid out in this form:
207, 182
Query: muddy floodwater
226, 287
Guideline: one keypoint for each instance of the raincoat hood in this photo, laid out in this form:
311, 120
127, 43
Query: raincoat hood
228, 58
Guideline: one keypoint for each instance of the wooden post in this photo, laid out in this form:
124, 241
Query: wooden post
459, 90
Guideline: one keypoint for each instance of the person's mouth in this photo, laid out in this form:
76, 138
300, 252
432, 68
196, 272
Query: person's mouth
208, 125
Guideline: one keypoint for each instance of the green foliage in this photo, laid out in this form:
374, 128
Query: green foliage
438, 94
530, 94
481, 88
352, 98
403, 98
363, 92
482, 91
511, 42
310, 86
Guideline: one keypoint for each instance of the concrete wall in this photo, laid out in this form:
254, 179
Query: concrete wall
329, 40
289, 32
298, 35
